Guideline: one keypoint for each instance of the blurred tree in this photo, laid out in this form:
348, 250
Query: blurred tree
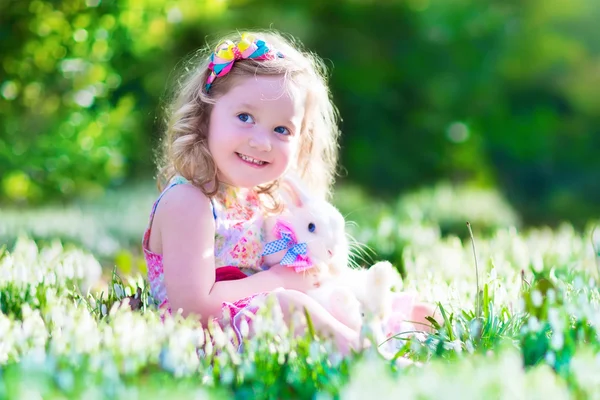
494, 92
76, 76
544, 136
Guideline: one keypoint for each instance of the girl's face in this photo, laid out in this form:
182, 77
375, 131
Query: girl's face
254, 130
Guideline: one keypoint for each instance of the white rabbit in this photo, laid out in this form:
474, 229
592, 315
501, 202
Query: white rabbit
316, 223
312, 231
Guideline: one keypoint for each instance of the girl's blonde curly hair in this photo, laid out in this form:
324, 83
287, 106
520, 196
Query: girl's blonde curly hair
185, 145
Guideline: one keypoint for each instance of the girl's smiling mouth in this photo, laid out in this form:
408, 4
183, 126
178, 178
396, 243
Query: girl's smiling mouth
252, 161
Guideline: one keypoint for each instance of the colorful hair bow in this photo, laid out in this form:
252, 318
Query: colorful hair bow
296, 255
228, 52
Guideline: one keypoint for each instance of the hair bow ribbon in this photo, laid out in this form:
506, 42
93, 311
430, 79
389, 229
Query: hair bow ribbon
297, 253
228, 52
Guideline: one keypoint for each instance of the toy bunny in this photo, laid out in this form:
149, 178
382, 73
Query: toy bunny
312, 233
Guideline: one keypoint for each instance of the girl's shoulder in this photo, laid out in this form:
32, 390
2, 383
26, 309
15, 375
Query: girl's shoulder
177, 208
183, 199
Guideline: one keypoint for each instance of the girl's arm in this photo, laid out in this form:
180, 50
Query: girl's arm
185, 224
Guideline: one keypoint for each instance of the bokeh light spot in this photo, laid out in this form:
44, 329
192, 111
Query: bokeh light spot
80, 35
458, 132
84, 98
9, 90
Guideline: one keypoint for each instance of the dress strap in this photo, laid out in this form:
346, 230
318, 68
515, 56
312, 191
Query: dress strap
178, 180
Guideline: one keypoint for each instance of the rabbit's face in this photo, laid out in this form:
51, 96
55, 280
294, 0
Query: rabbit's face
322, 228
318, 224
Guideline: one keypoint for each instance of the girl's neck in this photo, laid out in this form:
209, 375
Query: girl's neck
228, 191
228, 194
223, 187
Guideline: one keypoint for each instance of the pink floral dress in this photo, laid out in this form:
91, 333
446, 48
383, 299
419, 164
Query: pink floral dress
239, 242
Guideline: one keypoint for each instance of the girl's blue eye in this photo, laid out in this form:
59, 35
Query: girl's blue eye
245, 118
282, 130
311, 227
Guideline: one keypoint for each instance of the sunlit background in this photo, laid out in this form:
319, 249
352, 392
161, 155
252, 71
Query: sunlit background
484, 111
473, 108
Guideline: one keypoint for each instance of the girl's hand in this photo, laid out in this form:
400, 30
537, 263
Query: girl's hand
300, 281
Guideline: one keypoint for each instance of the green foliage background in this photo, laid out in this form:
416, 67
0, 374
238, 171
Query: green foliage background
495, 93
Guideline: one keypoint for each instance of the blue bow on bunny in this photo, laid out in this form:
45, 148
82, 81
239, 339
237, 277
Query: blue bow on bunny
297, 253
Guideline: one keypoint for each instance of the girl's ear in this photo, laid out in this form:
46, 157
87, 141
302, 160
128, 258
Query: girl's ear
294, 191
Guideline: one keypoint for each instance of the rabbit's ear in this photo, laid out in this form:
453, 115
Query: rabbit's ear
294, 191
289, 195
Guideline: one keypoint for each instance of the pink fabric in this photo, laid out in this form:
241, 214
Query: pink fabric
154, 264
243, 310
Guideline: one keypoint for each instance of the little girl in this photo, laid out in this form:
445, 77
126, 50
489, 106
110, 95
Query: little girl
254, 109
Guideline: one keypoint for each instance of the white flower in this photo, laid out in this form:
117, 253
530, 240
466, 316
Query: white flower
208, 347
454, 345
536, 298
533, 324
119, 292
585, 367
537, 262
521, 304
550, 358
557, 340
554, 318
218, 336
551, 296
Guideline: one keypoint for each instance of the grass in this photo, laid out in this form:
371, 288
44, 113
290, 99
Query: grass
520, 312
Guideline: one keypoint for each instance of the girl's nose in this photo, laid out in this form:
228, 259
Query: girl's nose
260, 140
